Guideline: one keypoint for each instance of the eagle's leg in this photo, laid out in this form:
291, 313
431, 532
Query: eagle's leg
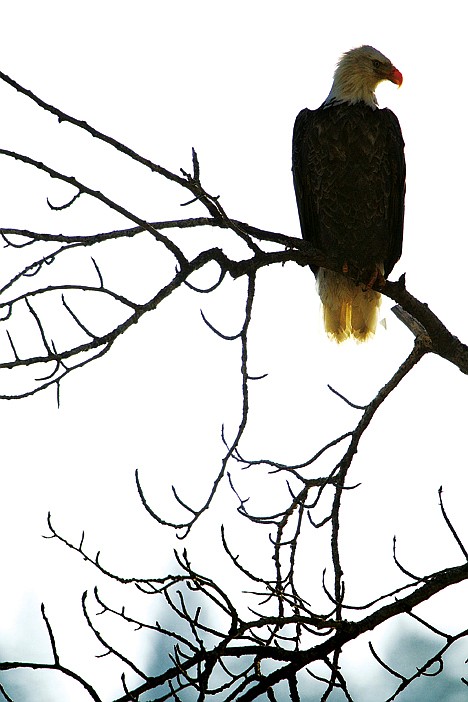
377, 276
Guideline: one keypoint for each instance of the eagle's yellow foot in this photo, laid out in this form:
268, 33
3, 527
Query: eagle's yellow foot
376, 277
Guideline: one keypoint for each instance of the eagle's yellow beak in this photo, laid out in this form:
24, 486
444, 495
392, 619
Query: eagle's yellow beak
395, 76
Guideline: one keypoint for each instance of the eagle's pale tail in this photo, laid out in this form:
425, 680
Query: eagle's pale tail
348, 309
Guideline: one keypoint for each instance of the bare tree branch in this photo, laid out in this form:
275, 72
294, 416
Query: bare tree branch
259, 641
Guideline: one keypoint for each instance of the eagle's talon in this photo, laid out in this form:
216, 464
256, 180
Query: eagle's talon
377, 280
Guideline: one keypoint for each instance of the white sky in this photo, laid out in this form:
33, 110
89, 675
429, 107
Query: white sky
228, 79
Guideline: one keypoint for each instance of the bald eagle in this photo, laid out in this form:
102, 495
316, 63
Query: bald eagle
349, 178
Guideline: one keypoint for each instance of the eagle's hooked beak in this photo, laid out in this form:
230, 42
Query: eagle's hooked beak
395, 76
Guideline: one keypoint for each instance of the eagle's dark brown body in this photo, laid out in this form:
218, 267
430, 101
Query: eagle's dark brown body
349, 177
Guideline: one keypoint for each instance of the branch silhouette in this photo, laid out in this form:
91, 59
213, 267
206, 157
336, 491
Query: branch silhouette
274, 632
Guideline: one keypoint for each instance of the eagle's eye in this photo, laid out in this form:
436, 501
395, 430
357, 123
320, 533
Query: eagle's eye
376, 63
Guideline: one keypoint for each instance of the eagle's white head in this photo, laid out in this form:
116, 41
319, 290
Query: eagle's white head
358, 73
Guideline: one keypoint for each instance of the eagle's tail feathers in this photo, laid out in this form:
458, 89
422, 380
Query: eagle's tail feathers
336, 322
348, 310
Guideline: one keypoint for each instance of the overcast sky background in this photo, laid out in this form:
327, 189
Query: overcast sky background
228, 79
